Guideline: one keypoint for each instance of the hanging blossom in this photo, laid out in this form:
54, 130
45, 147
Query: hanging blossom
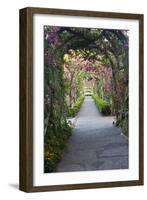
52, 38
88, 66
126, 46
104, 78
52, 35
108, 86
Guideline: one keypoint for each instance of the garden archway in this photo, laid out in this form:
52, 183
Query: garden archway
76, 54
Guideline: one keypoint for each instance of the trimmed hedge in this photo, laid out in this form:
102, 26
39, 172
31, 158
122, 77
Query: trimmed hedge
76, 107
102, 105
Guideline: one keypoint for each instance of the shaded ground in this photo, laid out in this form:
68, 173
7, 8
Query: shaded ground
95, 143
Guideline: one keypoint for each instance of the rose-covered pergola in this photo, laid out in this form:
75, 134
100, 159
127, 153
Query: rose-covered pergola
74, 57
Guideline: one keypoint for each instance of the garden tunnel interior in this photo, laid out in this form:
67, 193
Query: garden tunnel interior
72, 55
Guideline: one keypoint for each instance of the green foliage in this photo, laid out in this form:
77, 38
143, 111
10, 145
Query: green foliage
66, 50
122, 121
57, 130
102, 105
122, 117
55, 143
76, 107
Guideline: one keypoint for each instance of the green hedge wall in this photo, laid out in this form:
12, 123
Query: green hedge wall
76, 107
102, 105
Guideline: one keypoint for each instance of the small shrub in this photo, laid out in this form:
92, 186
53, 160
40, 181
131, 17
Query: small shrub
76, 107
102, 105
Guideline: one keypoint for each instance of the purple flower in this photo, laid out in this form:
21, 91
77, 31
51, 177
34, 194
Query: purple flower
52, 38
126, 46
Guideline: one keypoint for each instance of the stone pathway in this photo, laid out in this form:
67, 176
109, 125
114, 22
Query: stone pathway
95, 143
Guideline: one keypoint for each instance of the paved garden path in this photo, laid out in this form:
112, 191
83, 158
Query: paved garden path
95, 144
